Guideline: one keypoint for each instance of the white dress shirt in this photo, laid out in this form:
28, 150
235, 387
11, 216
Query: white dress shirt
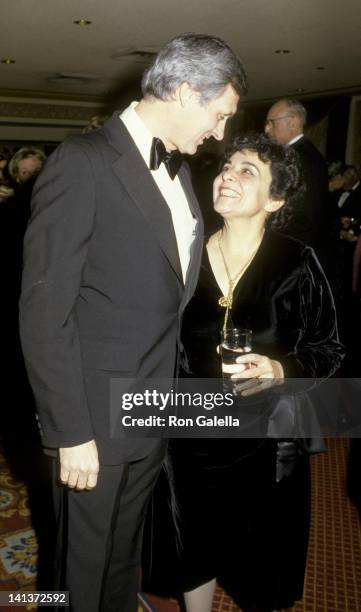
295, 139
172, 191
343, 197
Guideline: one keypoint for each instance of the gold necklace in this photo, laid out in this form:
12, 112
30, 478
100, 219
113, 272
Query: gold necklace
227, 301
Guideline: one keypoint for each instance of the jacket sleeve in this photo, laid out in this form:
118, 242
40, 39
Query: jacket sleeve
55, 251
317, 352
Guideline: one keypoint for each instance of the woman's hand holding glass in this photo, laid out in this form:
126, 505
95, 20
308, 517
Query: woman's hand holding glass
259, 371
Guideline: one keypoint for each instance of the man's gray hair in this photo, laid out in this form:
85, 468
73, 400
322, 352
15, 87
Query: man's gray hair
205, 62
296, 108
24, 153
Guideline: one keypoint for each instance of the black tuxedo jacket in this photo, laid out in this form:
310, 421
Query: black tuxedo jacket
352, 205
102, 292
314, 221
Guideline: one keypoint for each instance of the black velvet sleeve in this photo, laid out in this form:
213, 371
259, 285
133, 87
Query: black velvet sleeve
317, 352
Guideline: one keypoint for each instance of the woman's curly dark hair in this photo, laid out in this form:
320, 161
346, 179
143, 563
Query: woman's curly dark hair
287, 181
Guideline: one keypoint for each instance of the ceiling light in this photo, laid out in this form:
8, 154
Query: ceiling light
282, 51
133, 53
82, 22
8, 60
67, 77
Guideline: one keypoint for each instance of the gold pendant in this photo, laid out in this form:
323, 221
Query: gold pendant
223, 301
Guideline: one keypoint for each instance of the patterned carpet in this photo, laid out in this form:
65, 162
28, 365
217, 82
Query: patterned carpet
18, 545
333, 580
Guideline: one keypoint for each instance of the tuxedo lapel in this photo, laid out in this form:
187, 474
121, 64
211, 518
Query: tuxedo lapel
184, 177
197, 245
136, 178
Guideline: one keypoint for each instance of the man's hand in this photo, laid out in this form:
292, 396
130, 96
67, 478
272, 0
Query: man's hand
5, 193
79, 466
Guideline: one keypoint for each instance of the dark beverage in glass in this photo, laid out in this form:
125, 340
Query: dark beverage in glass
234, 342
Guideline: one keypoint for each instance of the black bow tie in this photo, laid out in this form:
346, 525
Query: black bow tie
159, 154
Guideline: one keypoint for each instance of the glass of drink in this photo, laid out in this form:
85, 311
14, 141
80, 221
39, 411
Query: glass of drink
235, 341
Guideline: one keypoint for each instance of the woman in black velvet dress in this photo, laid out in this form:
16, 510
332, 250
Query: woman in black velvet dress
238, 523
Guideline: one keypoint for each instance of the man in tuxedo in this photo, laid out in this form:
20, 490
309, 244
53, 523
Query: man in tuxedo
349, 203
112, 254
313, 221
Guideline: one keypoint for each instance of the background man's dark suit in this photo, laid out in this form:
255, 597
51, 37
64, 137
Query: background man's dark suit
312, 218
101, 250
352, 205
315, 221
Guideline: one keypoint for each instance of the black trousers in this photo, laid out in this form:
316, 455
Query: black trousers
100, 536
